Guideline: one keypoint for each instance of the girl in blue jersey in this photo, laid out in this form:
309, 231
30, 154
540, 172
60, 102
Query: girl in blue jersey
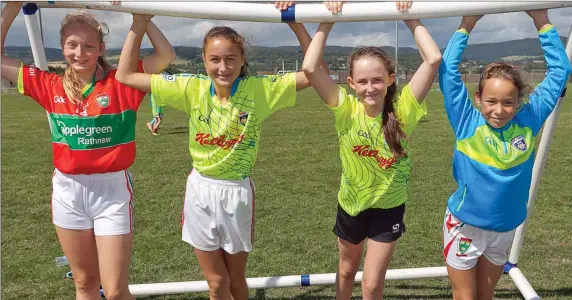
493, 158
372, 129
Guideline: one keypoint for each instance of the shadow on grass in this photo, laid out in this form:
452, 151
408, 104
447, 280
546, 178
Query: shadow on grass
178, 130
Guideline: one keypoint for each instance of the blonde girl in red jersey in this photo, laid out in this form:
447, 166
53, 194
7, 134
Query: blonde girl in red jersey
92, 119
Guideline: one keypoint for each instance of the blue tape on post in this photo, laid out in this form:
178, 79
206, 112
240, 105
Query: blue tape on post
305, 279
507, 267
30, 9
289, 15
51, 2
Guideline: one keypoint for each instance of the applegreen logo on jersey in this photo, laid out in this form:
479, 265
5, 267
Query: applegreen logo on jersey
102, 100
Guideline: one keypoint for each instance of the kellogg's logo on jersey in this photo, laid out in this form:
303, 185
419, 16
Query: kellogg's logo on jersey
519, 143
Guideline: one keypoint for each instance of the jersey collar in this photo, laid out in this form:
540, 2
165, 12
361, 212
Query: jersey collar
86, 91
232, 91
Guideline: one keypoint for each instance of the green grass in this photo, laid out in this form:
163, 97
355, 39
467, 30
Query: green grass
297, 177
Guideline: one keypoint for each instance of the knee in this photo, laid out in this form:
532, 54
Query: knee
347, 271
371, 287
86, 284
218, 284
117, 293
237, 280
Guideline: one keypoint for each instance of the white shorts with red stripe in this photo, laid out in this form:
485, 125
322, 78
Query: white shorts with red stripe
463, 244
218, 213
103, 202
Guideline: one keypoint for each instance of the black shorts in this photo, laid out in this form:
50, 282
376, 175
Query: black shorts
378, 224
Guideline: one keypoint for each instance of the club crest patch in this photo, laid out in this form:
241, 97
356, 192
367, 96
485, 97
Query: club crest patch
464, 246
519, 143
243, 117
102, 100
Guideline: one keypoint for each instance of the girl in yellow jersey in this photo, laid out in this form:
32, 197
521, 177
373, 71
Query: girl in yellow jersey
226, 110
372, 130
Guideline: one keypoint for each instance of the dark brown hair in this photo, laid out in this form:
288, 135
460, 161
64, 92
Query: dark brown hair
232, 36
504, 71
390, 124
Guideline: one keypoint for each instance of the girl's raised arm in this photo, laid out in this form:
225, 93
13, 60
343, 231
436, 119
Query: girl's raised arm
422, 80
128, 61
163, 53
318, 76
10, 66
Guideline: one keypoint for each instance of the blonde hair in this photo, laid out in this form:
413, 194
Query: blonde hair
71, 81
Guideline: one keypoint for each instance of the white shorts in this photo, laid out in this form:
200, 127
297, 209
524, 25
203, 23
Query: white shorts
218, 213
103, 202
463, 244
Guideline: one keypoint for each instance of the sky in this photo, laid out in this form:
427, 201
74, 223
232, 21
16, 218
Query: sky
189, 32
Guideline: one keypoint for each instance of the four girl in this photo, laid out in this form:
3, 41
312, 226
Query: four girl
92, 112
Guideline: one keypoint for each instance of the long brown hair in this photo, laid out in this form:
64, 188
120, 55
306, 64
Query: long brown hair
390, 123
504, 71
232, 36
71, 81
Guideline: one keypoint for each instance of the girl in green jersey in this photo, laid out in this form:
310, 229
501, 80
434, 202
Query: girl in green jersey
372, 130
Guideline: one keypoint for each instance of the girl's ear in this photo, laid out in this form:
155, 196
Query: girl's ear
391, 79
351, 83
478, 98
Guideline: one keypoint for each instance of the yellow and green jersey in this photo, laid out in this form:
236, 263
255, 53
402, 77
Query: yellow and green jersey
224, 139
371, 176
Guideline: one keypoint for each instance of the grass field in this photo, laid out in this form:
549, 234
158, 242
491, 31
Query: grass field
297, 177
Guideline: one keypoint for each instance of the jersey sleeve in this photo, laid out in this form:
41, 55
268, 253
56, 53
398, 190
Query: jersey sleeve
545, 96
178, 91
343, 112
278, 91
408, 110
458, 105
36, 83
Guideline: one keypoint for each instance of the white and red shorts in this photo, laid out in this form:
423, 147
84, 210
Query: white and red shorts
218, 213
102, 202
463, 244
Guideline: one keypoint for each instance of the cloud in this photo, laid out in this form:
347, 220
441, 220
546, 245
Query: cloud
190, 32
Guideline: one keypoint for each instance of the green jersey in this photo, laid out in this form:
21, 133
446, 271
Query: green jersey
371, 176
223, 139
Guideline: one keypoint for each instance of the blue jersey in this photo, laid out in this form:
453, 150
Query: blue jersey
493, 166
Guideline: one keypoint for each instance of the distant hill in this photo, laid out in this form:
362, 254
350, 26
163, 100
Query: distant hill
270, 58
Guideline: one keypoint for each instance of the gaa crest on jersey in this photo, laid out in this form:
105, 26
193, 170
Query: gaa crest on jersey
464, 246
519, 143
102, 100
243, 117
